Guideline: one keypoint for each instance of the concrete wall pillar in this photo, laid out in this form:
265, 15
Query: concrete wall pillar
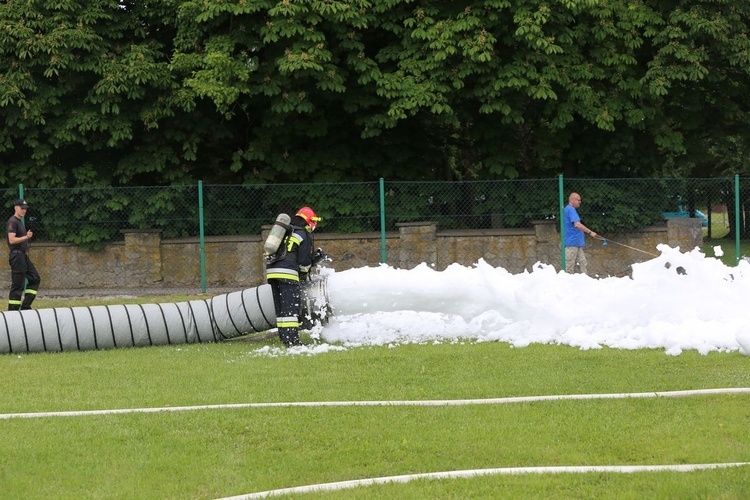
547, 245
142, 264
418, 243
686, 233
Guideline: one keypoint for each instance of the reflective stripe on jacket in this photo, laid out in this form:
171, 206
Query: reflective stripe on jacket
298, 256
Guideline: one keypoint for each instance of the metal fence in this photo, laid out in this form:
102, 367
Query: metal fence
93, 216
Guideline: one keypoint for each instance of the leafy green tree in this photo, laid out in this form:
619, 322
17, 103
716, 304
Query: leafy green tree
263, 91
88, 97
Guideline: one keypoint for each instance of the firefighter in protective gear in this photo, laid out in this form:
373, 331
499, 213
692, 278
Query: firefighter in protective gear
23, 272
287, 268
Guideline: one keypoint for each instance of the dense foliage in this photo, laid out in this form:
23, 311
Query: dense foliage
158, 92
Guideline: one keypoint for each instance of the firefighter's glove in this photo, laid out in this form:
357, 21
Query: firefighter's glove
319, 256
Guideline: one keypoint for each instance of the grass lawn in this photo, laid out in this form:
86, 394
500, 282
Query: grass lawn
719, 232
212, 453
728, 249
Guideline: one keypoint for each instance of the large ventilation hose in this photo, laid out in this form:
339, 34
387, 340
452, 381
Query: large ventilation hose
102, 327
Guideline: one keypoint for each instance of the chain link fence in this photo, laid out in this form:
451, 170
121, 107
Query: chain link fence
617, 205
471, 205
92, 217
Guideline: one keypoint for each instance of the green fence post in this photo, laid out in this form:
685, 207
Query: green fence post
382, 221
20, 195
202, 236
736, 219
561, 194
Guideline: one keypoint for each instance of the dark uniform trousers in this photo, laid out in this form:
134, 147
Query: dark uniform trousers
22, 269
287, 306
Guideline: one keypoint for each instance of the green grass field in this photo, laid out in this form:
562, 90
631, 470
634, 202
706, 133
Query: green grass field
719, 232
213, 453
728, 249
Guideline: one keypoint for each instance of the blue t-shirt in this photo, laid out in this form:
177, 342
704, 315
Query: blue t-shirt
573, 236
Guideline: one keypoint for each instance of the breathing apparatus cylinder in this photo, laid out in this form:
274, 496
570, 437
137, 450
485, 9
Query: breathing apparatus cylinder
276, 236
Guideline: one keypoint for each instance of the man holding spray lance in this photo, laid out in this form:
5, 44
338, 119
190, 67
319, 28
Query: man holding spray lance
575, 238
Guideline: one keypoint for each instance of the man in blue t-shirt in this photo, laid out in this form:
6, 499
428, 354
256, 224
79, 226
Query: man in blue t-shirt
574, 236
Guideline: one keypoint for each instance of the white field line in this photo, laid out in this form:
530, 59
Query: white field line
444, 402
483, 472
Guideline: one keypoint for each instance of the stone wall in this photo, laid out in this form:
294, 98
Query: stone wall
144, 262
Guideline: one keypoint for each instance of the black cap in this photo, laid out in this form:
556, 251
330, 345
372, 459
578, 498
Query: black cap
20, 202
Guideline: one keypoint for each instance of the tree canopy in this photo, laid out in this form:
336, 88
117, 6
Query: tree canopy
156, 92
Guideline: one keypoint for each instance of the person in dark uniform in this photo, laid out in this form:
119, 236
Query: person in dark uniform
287, 268
23, 272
